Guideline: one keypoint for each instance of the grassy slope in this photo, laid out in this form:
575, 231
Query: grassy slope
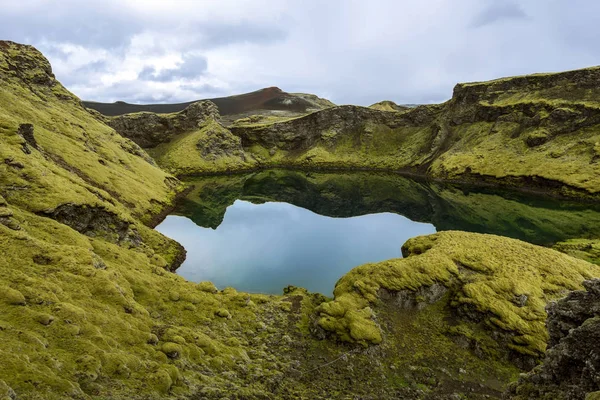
538, 132
79, 160
388, 105
92, 316
183, 155
95, 316
485, 273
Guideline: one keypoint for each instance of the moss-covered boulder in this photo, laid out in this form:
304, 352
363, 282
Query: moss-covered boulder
489, 283
207, 149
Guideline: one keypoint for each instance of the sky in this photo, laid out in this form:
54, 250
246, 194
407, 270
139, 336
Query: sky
351, 52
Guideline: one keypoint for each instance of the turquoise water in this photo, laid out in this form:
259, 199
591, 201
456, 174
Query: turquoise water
262, 248
263, 231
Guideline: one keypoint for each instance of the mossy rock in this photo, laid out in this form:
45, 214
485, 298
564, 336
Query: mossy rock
537, 138
11, 296
485, 274
207, 287
44, 319
223, 313
171, 349
161, 381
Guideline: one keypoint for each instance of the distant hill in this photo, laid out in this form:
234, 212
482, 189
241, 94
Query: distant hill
271, 98
388, 105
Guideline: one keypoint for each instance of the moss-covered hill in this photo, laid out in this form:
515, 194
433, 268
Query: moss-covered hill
90, 310
388, 105
268, 102
538, 132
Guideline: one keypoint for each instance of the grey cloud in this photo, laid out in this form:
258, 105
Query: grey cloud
211, 90
219, 35
192, 67
84, 73
90, 24
350, 51
498, 11
111, 24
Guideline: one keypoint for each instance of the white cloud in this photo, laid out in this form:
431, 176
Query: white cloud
351, 51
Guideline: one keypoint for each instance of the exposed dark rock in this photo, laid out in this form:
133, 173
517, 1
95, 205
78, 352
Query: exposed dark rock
12, 163
95, 221
571, 367
414, 299
26, 131
179, 258
41, 259
6, 216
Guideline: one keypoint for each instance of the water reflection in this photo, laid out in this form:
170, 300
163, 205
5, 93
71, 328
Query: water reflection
265, 247
271, 239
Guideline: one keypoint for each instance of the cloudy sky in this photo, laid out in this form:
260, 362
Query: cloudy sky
358, 52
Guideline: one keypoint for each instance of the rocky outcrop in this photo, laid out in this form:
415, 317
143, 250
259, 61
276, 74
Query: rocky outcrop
571, 368
96, 221
575, 86
150, 129
324, 126
27, 64
536, 132
217, 142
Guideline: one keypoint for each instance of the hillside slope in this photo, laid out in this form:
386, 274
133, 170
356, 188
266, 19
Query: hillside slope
538, 132
271, 98
90, 310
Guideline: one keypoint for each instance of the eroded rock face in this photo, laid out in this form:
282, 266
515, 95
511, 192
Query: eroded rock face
95, 221
414, 299
27, 63
218, 142
149, 129
571, 368
302, 133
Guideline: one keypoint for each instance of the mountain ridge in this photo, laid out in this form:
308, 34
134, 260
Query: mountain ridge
271, 98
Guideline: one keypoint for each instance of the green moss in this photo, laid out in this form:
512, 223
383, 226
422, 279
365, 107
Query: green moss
11, 296
207, 287
587, 249
209, 149
223, 313
65, 166
100, 316
172, 350
486, 274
